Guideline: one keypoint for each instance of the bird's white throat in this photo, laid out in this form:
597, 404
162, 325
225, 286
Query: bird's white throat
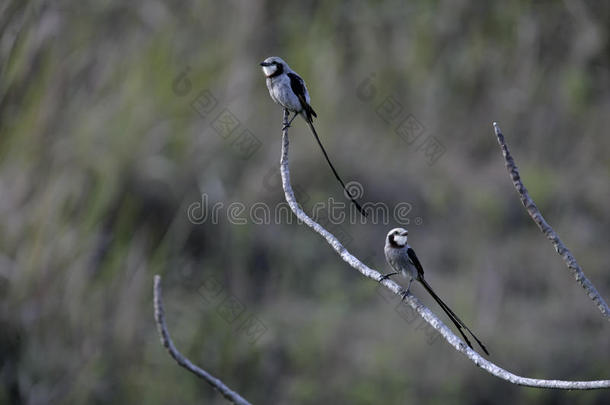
400, 240
269, 70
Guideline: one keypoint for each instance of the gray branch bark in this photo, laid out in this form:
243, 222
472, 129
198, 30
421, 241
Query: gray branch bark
411, 300
544, 226
180, 359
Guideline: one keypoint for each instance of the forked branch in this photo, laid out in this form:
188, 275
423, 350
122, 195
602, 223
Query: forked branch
544, 226
411, 300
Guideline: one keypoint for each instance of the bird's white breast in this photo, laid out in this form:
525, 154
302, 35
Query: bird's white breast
281, 92
399, 260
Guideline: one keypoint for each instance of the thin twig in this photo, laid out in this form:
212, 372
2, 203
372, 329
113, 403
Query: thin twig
421, 309
180, 359
537, 217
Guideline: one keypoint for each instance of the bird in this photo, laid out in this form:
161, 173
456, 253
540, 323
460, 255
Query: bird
402, 259
288, 89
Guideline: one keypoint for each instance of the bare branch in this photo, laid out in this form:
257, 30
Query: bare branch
421, 309
537, 217
180, 359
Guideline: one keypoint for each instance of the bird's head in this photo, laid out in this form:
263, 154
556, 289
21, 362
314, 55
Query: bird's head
397, 237
272, 65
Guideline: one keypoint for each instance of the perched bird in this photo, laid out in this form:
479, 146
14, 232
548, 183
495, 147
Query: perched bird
287, 89
401, 257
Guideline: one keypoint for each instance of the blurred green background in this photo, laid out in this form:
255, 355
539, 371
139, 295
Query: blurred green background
112, 157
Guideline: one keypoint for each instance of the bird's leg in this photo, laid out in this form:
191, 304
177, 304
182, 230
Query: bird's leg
404, 293
287, 125
387, 276
290, 122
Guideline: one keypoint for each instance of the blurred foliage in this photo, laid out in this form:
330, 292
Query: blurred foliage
103, 155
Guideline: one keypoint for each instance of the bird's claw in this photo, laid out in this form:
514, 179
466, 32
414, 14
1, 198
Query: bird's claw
285, 127
404, 294
386, 276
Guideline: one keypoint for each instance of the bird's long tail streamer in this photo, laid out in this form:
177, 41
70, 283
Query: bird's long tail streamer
454, 318
351, 197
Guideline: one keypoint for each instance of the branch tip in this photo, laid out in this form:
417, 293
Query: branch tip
547, 229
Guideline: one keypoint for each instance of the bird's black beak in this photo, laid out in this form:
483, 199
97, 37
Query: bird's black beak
266, 63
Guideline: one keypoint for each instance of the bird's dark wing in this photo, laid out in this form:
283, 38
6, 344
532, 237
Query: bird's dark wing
298, 87
416, 263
